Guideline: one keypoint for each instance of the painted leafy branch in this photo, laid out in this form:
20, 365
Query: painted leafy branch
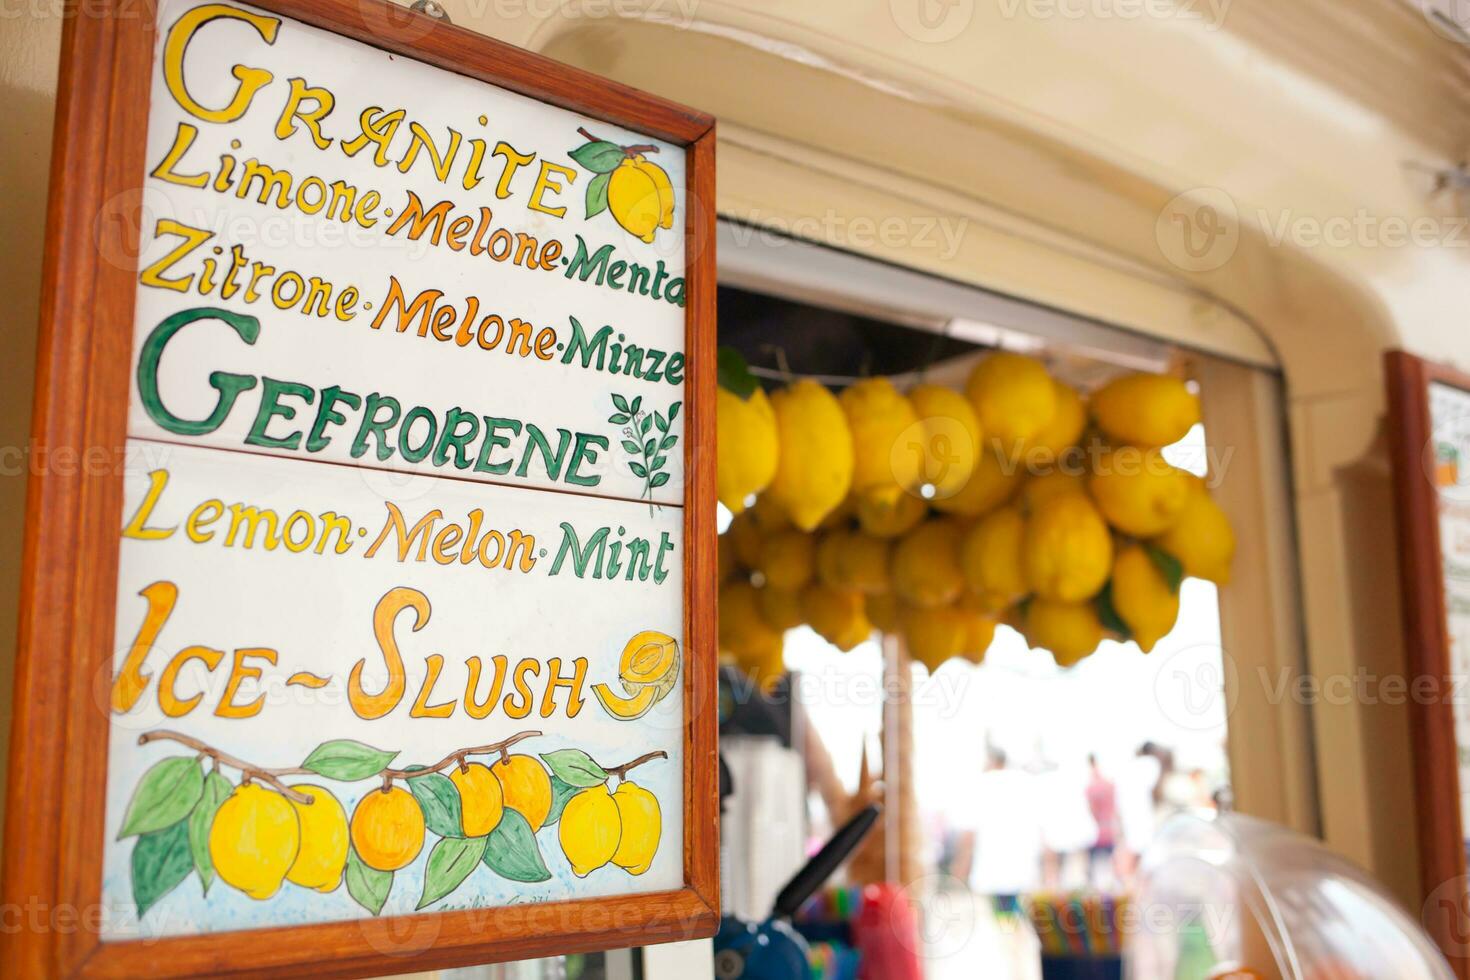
649, 448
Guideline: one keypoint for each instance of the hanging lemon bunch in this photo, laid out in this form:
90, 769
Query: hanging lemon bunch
938, 514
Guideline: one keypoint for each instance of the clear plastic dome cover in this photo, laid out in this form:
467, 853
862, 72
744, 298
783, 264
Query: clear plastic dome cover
1232, 896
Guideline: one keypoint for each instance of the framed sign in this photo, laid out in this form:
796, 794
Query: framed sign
1429, 416
369, 615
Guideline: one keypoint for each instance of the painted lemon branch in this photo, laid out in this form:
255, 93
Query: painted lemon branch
627, 767
630, 151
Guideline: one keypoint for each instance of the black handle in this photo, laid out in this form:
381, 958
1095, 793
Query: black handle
824, 862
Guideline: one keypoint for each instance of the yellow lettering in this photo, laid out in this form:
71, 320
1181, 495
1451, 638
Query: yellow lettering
168, 699
394, 601
251, 79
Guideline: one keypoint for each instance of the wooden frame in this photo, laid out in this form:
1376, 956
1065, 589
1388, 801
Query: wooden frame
1436, 765
54, 829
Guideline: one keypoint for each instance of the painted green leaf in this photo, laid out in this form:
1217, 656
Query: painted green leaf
164, 796
618, 418
667, 442
597, 194
368, 887
658, 462
450, 863
632, 447
216, 790
511, 850
561, 792
161, 860
621, 403
599, 156
660, 421
636, 403
649, 446
637, 469
645, 425
440, 802
674, 411
575, 767
347, 761
1107, 613
1170, 567
659, 479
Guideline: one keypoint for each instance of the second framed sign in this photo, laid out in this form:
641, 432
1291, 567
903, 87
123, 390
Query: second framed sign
386, 627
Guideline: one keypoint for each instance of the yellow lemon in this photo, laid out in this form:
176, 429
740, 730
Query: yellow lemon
1201, 538
890, 518
1068, 631
884, 612
853, 560
836, 615
933, 636
642, 826
767, 664
1014, 398
1145, 409
950, 439
814, 471
780, 608
769, 516
993, 482
1142, 597
650, 658
633, 199
990, 557
926, 564
635, 705
664, 186
1049, 484
589, 830
254, 840
743, 629
1068, 549
745, 538
1138, 492
788, 559
481, 800
725, 552
323, 852
525, 788
745, 457
1061, 433
979, 633
878, 418
388, 828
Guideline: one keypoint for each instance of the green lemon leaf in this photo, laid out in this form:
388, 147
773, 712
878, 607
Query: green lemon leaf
1107, 613
368, 887
161, 860
597, 194
575, 767
599, 156
347, 761
1170, 567
511, 850
450, 863
439, 799
732, 374
216, 790
164, 796
561, 792
659, 479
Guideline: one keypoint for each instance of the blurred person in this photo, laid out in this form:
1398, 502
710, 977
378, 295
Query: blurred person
1137, 785
1067, 826
1102, 802
1004, 843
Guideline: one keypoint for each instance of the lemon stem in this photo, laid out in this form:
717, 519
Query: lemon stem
623, 770
458, 755
629, 151
247, 770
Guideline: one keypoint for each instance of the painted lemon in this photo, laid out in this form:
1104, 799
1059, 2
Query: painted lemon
526, 787
642, 825
481, 800
633, 199
254, 840
388, 828
323, 852
746, 447
665, 187
590, 830
626, 708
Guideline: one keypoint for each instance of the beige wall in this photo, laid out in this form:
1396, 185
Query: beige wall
1058, 143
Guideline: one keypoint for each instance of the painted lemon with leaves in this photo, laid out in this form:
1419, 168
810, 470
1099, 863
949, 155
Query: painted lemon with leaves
254, 840
590, 830
640, 197
323, 852
388, 828
642, 825
526, 787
